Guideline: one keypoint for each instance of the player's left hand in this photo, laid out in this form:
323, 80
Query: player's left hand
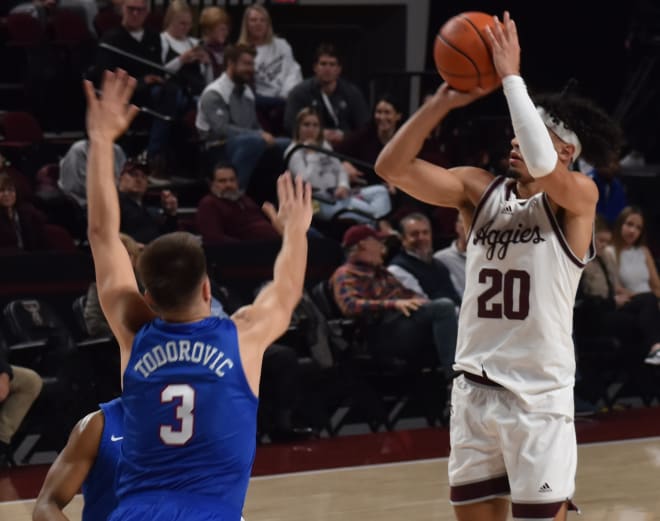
295, 203
110, 114
505, 46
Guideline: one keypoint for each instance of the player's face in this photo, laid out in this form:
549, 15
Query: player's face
310, 129
134, 14
386, 117
417, 238
517, 166
327, 69
180, 26
632, 228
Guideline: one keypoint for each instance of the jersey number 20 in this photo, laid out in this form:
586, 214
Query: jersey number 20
511, 307
184, 413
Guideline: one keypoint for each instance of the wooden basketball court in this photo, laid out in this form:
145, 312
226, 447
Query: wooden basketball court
617, 481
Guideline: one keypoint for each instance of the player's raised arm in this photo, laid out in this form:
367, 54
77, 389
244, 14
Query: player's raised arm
70, 469
398, 163
547, 155
108, 116
269, 316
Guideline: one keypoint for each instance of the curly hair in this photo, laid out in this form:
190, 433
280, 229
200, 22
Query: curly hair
600, 136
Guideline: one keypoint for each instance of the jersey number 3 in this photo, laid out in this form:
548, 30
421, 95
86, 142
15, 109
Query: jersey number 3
514, 286
184, 413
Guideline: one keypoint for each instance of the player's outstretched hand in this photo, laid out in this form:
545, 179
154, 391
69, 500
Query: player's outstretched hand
506, 48
110, 114
295, 203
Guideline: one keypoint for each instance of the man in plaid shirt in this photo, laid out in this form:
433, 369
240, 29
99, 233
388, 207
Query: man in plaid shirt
399, 322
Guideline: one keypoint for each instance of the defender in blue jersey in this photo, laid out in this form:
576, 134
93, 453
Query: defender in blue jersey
89, 460
190, 380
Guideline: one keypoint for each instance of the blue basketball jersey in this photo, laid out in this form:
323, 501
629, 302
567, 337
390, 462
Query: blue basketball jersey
190, 418
99, 487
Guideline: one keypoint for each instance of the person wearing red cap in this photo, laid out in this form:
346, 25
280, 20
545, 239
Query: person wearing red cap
400, 323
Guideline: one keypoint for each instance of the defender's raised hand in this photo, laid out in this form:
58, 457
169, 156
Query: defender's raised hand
110, 114
506, 48
295, 202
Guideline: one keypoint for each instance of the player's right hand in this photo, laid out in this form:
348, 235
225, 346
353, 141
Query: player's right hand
110, 114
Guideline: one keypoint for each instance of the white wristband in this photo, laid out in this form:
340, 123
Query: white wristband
536, 145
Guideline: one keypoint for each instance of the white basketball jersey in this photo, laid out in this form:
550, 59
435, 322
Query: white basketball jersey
516, 319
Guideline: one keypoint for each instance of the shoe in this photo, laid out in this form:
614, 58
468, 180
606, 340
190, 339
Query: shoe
653, 358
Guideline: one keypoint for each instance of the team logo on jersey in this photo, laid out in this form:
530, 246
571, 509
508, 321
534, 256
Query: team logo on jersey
507, 209
498, 241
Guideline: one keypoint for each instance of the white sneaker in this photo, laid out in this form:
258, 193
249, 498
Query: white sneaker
653, 358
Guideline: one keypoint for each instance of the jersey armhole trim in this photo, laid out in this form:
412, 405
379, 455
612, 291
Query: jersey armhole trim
562, 239
484, 197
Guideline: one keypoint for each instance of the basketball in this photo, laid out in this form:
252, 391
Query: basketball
462, 52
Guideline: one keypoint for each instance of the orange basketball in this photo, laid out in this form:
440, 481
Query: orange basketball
462, 52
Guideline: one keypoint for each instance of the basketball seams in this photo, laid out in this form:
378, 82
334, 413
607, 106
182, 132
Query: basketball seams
481, 39
468, 58
462, 53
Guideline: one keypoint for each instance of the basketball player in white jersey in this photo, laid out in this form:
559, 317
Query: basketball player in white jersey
530, 235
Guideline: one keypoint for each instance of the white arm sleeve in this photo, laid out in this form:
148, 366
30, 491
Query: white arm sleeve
536, 145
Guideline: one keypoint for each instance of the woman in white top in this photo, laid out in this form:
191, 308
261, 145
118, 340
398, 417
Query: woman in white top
638, 274
329, 179
182, 54
276, 71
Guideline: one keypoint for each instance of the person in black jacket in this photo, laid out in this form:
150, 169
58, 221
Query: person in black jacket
340, 103
415, 266
153, 90
22, 226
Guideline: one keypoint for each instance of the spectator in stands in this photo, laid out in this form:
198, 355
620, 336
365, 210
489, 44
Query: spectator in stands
400, 323
227, 117
329, 179
276, 70
637, 269
19, 388
73, 170
415, 266
367, 142
214, 24
95, 321
227, 215
153, 91
612, 309
182, 54
611, 192
39, 9
141, 223
340, 102
453, 257
22, 227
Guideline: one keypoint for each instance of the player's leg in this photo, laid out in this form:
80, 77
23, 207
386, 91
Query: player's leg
540, 452
477, 476
495, 509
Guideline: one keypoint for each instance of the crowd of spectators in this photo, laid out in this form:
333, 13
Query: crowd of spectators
252, 115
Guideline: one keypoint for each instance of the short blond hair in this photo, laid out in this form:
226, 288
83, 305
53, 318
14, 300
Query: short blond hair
176, 7
211, 17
